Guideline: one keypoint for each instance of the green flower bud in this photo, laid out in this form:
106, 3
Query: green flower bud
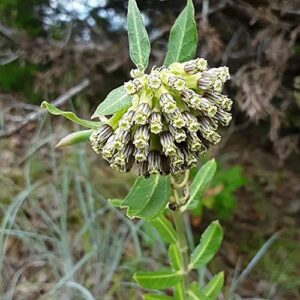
141, 137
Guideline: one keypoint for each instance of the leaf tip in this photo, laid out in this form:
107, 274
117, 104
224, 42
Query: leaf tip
44, 104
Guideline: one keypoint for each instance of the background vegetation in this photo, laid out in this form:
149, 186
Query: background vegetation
59, 237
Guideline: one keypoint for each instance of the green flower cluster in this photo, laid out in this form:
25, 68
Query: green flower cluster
173, 119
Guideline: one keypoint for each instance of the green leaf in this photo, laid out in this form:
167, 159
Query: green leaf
148, 197
156, 297
139, 44
69, 115
116, 100
209, 244
200, 182
75, 138
214, 287
183, 37
116, 202
195, 293
175, 258
157, 280
164, 228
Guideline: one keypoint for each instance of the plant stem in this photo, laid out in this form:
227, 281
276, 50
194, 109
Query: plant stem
182, 245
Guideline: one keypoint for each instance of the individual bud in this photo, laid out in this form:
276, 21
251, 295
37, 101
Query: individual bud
167, 143
142, 114
224, 74
165, 165
193, 142
223, 117
143, 169
213, 137
191, 121
186, 95
141, 154
154, 163
129, 164
137, 84
190, 157
130, 88
191, 67
134, 73
126, 121
167, 103
176, 119
177, 161
201, 64
213, 124
178, 134
109, 148
100, 136
155, 122
177, 83
217, 85
220, 100
154, 82
207, 108
141, 137
122, 157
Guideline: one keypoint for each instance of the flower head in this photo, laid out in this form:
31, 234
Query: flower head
172, 121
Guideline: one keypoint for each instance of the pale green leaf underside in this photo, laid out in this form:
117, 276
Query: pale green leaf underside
75, 138
139, 44
214, 287
210, 243
116, 100
164, 228
116, 202
200, 182
70, 115
183, 37
148, 197
157, 280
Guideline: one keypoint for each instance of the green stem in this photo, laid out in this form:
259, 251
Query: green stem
183, 249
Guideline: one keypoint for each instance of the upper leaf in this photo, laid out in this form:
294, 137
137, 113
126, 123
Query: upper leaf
164, 228
157, 280
183, 37
200, 182
139, 44
116, 100
209, 244
214, 287
69, 115
148, 197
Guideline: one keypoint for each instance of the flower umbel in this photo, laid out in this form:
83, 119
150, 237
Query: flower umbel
173, 119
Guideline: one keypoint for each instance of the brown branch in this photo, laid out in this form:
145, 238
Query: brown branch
34, 116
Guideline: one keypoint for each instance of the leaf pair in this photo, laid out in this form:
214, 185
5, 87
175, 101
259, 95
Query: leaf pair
181, 47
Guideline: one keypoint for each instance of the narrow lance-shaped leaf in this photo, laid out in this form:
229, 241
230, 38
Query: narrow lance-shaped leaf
139, 44
200, 182
214, 287
195, 293
75, 138
70, 115
183, 37
116, 100
158, 280
148, 197
210, 243
164, 228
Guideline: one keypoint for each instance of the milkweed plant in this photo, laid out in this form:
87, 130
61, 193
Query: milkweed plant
158, 124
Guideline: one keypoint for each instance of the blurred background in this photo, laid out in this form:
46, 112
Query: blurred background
59, 237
